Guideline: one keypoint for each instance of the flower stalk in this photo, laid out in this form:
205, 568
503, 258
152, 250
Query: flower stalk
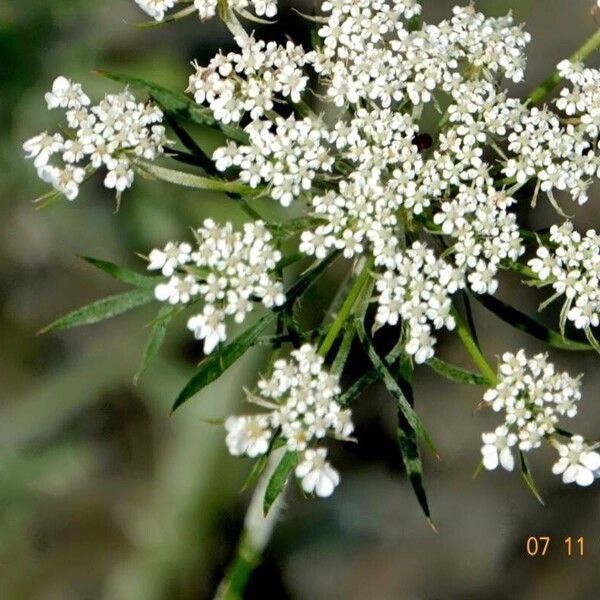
588, 47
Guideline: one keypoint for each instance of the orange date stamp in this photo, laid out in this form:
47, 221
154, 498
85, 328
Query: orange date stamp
540, 545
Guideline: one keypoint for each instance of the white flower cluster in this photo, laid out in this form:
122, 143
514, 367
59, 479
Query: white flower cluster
229, 270
249, 81
361, 62
571, 265
533, 397
301, 396
286, 155
419, 291
207, 9
110, 134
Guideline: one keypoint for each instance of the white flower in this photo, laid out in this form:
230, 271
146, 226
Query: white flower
178, 290
497, 449
577, 462
316, 474
42, 147
66, 94
156, 8
249, 435
119, 176
170, 258
209, 326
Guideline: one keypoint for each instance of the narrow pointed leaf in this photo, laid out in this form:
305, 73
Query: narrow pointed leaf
455, 373
214, 365
279, 479
528, 478
156, 338
196, 181
407, 440
358, 386
123, 274
102, 309
528, 325
392, 386
261, 464
178, 104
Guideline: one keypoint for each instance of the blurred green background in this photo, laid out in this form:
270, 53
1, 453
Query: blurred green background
103, 495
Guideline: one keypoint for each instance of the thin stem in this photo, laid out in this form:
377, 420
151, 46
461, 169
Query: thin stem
469, 343
257, 531
542, 90
346, 308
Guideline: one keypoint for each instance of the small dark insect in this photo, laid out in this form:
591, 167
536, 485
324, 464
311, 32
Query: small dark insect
422, 141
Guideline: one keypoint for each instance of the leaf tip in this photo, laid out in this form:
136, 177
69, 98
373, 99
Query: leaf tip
432, 525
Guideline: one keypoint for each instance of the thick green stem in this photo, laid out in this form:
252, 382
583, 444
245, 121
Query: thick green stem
346, 309
469, 343
542, 90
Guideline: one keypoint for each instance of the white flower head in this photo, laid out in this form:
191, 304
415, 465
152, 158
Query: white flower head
316, 474
249, 435
577, 462
66, 94
496, 449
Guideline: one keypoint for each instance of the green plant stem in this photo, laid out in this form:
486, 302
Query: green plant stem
346, 308
542, 90
254, 539
474, 352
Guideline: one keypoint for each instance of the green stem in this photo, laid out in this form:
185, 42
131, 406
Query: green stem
542, 90
469, 343
254, 539
346, 308
246, 560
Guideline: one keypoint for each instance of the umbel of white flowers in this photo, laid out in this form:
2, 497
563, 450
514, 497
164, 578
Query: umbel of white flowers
300, 396
107, 135
533, 397
430, 217
228, 270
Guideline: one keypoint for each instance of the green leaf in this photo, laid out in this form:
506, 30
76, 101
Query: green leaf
407, 440
278, 479
123, 274
528, 478
358, 386
528, 325
456, 373
157, 335
102, 309
257, 471
214, 365
178, 104
196, 181
393, 388
261, 463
